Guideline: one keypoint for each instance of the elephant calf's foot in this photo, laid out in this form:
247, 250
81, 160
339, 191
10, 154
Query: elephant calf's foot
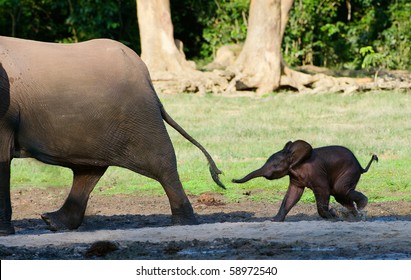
361, 203
328, 214
57, 221
333, 213
6, 229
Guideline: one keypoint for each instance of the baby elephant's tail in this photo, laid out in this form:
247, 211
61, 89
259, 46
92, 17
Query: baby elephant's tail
374, 157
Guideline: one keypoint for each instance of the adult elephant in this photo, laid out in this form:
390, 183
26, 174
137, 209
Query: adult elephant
85, 106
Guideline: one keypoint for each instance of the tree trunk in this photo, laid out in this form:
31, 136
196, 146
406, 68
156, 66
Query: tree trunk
164, 56
259, 63
158, 48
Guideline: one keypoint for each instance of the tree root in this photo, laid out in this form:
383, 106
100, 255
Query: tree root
227, 82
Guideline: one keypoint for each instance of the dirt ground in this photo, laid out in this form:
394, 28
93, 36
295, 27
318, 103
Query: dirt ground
139, 227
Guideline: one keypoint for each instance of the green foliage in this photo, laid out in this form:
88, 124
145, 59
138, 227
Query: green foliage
394, 43
70, 20
315, 27
322, 32
331, 33
103, 23
191, 13
40, 20
371, 58
212, 24
227, 26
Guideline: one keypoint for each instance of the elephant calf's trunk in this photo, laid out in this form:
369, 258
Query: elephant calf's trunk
252, 175
239, 181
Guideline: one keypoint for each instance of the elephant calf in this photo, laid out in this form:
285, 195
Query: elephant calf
331, 170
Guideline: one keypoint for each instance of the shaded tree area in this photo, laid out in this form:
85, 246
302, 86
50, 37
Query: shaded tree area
331, 33
70, 20
337, 34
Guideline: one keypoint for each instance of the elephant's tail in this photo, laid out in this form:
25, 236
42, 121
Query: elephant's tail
213, 167
374, 157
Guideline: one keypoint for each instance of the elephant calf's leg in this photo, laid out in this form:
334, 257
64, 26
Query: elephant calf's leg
345, 201
291, 198
323, 201
71, 214
360, 200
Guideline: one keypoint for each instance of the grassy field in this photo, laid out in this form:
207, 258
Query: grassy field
241, 132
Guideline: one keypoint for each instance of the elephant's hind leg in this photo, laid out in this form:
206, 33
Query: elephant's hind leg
71, 214
181, 209
354, 201
346, 194
360, 200
151, 154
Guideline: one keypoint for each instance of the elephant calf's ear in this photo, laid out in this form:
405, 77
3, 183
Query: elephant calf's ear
287, 146
299, 152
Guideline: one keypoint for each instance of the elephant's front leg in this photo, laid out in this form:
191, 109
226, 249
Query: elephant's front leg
71, 214
291, 198
6, 227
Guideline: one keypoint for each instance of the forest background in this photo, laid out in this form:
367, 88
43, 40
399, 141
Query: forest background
337, 34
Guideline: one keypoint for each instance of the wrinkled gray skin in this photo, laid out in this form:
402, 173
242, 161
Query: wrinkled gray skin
84, 106
331, 170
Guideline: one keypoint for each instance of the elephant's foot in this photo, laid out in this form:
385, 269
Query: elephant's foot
184, 220
6, 229
59, 221
184, 215
278, 219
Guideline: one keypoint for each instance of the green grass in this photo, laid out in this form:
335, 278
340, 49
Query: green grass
241, 132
